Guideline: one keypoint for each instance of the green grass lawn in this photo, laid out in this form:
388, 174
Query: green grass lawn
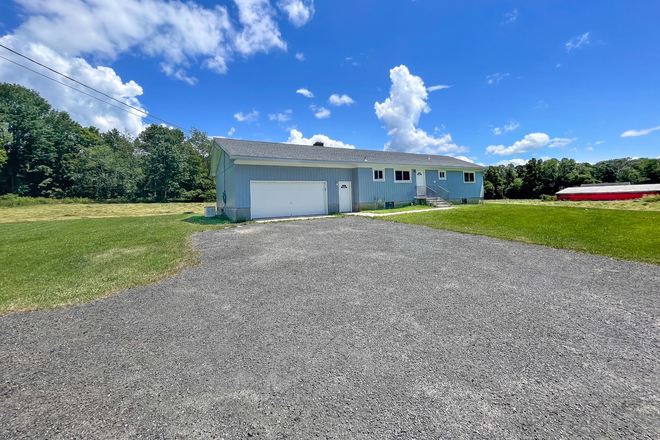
48, 264
621, 234
405, 208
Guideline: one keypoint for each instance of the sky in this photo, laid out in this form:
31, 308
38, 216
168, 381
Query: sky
488, 81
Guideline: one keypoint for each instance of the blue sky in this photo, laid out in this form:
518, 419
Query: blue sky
526, 79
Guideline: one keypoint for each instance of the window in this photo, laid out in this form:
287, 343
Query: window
401, 176
442, 175
379, 175
468, 177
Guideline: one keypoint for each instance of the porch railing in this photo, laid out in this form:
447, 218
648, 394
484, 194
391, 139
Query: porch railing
432, 192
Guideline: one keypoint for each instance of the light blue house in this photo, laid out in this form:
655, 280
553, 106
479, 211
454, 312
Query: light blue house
263, 179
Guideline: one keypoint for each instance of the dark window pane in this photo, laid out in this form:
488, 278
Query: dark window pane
406, 175
399, 175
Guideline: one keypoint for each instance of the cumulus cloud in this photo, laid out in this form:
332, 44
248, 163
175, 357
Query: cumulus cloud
434, 88
300, 56
231, 132
338, 100
249, 117
401, 113
87, 111
296, 137
320, 113
511, 161
633, 133
578, 42
507, 128
306, 93
510, 17
531, 142
299, 11
495, 78
466, 159
281, 117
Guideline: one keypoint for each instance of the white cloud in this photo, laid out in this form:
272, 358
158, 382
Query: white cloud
510, 17
401, 112
299, 11
249, 117
496, 78
231, 132
560, 142
306, 93
544, 158
434, 88
531, 142
558, 65
320, 113
578, 42
281, 117
511, 161
589, 149
633, 133
296, 137
507, 128
340, 100
466, 159
87, 111
599, 142
541, 104
300, 56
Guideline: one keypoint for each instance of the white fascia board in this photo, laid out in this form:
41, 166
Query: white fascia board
241, 160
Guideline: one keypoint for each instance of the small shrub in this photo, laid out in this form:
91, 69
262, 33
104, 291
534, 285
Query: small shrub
547, 198
650, 199
13, 201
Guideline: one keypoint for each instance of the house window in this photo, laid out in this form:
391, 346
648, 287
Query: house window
379, 175
468, 177
402, 176
442, 175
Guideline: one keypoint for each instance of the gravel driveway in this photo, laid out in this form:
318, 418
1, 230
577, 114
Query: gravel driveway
348, 328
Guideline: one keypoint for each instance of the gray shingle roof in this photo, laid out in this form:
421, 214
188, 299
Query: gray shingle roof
269, 150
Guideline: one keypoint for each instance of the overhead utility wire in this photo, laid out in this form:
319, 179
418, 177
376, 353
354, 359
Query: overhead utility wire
84, 85
72, 88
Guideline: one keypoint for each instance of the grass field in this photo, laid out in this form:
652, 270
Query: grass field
45, 264
621, 234
49, 212
648, 203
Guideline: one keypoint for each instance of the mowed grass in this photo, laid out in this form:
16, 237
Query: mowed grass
403, 209
58, 263
648, 203
621, 234
95, 210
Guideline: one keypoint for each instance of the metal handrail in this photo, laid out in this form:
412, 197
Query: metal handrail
428, 188
445, 193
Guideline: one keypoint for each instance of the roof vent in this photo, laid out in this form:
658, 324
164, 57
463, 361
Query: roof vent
318, 144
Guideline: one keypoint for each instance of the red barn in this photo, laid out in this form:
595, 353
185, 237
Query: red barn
608, 191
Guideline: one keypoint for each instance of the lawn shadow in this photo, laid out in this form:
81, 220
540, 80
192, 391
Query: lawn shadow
201, 220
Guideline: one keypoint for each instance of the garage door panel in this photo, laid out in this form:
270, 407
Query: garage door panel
286, 199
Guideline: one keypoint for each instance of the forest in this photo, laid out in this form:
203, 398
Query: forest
45, 153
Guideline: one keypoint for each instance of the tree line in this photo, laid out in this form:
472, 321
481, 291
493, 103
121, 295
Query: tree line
546, 177
45, 153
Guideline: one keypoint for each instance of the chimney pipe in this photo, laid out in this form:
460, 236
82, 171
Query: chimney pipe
318, 144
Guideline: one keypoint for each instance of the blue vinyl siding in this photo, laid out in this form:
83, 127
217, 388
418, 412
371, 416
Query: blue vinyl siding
455, 185
387, 191
246, 173
225, 181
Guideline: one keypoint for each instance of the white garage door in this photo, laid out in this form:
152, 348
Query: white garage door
286, 199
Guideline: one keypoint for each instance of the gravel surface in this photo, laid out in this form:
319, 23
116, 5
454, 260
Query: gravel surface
348, 328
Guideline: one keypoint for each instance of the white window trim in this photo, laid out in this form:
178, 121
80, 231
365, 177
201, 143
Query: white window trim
403, 181
373, 170
442, 171
475, 176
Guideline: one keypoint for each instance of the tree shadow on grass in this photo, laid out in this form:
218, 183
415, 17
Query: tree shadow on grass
201, 220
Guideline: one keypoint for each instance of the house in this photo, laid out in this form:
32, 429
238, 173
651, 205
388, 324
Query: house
264, 179
608, 191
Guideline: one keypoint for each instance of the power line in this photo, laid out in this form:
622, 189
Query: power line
84, 85
72, 88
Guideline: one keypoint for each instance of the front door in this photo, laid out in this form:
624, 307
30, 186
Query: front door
420, 183
345, 199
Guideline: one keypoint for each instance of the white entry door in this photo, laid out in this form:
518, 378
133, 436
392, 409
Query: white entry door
345, 197
286, 199
420, 183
